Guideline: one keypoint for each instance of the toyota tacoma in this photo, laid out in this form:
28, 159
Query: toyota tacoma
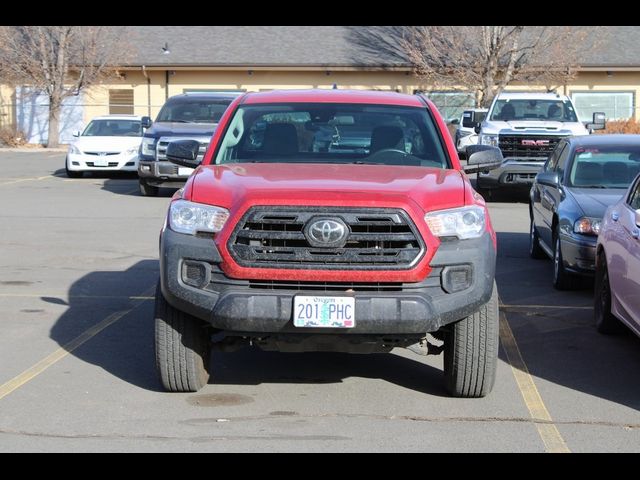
328, 220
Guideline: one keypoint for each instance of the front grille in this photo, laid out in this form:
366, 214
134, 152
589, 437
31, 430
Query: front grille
528, 146
110, 164
102, 153
161, 148
378, 239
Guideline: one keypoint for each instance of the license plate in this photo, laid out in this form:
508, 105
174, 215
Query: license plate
324, 312
185, 171
101, 162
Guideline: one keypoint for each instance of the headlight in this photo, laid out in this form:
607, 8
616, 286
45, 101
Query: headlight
74, 150
190, 218
131, 151
148, 147
488, 140
587, 226
465, 222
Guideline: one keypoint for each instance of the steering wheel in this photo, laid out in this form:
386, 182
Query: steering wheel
389, 150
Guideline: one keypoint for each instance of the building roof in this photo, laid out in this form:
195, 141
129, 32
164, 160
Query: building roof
334, 96
318, 46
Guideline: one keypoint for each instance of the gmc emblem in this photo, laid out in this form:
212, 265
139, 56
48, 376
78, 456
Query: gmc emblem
535, 143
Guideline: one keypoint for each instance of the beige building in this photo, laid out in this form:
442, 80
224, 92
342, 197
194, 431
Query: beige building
173, 60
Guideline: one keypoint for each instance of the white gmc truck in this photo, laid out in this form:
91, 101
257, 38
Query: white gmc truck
526, 127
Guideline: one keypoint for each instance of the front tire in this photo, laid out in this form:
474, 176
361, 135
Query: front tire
606, 322
562, 280
471, 352
71, 173
182, 348
148, 190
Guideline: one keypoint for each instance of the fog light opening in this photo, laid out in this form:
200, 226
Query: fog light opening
456, 279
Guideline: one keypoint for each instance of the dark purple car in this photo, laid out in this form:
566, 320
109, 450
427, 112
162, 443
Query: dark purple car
617, 283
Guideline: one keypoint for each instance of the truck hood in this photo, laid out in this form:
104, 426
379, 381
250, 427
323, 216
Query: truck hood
594, 201
237, 186
165, 129
540, 127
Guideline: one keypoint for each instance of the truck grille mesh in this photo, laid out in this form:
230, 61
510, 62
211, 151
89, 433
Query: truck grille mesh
528, 146
378, 239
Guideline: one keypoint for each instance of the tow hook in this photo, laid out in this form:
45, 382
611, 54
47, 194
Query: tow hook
425, 347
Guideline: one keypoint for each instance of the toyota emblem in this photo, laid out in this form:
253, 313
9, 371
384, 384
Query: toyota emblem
326, 232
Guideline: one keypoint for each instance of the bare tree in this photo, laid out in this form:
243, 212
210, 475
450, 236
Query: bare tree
61, 61
482, 59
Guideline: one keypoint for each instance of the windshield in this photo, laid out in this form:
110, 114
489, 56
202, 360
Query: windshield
113, 128
541, 110
613, 167
193, 111
332, 133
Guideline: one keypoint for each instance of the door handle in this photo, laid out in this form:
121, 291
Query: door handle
615, 216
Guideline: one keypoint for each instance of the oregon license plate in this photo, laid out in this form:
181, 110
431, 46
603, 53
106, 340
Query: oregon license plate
185, 171
324, 312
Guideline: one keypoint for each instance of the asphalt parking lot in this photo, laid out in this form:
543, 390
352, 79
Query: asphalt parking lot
78, 268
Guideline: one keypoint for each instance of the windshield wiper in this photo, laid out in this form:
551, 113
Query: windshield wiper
182, 121
591, 186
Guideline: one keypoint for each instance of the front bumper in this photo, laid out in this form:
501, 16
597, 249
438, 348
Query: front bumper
512, 173
163, 173
237, 306
579, 253
98, 163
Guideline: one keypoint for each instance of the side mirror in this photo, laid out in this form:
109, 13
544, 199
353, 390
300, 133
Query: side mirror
469, 119
550, 179
482, 157
599, 121
145, 122
76, 133
638, 218
455, 121
184, 152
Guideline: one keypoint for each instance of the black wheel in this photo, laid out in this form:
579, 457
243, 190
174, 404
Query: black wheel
535, 250
471, 352
148, 190
606, 322
562, 280
71, 173
182, 348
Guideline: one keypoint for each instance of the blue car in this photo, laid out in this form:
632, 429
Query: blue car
582, 177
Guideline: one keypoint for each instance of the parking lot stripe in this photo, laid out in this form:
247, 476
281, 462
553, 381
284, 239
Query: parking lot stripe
549, 433
66, 349
34, 179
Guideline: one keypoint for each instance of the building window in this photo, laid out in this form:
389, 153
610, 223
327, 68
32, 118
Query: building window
615, 105
121, 101
452, 104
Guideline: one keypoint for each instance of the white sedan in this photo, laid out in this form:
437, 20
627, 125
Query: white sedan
109, 143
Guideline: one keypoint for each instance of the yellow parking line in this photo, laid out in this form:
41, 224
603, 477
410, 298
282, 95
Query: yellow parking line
549, 433
34, 179
65, 350
63, 296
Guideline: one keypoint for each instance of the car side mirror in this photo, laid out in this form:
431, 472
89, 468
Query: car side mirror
469, 119
550, 179
184, 152
145, 122
638, 218
482, 157
455, 121
599, 121
76, 133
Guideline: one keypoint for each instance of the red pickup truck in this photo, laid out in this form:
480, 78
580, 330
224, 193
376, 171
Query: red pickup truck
329, 220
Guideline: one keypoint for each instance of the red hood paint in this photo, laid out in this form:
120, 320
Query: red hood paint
239, 186
231, 186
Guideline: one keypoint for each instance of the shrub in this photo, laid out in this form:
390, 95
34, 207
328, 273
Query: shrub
621, 126
10, 137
